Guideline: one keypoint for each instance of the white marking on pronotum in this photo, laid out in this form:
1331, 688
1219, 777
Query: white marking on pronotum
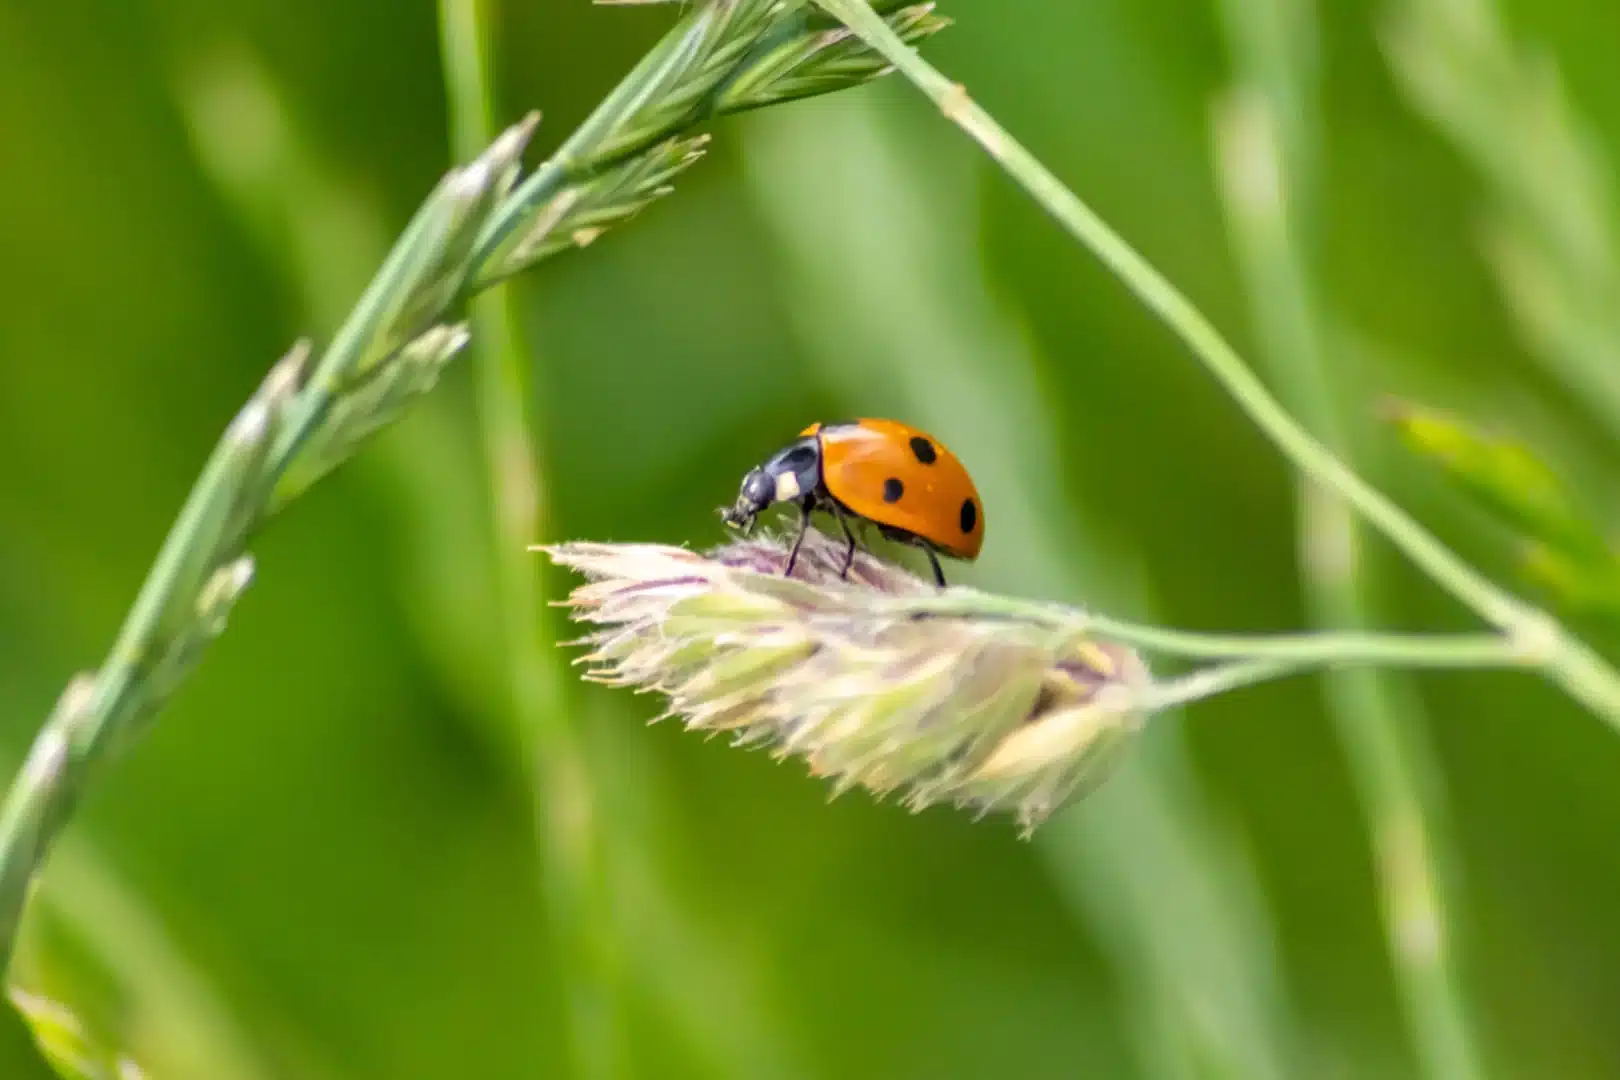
787, 487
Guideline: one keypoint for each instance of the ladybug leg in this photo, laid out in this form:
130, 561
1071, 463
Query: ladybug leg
939, 575
849, 534
804, 527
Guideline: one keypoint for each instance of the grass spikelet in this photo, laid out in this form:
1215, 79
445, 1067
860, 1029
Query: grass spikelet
871, 680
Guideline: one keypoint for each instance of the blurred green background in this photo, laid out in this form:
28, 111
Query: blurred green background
322, 862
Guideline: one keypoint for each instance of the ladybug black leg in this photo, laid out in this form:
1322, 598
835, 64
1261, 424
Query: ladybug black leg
804, 527
939, 575
849, 534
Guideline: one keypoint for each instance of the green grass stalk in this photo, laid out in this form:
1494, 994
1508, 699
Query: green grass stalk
1567, 661
567, 822
1401, 650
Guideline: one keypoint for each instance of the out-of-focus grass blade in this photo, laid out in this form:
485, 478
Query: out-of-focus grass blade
705, 986
892, 306
573, 836
1267, 137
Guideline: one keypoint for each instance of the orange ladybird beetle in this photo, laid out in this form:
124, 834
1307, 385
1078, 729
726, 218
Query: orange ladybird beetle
900, 479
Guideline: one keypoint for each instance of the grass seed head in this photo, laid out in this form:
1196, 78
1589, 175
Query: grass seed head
870, 680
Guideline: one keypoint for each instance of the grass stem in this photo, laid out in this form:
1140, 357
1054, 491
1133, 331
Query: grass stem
1400, 650
566, 829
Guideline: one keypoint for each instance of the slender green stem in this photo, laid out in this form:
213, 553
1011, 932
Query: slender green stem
1582, 673
1236, 674
1402, 650
565, 823
1397, 650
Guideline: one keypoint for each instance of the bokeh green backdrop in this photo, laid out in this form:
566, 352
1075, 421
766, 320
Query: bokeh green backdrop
321, 862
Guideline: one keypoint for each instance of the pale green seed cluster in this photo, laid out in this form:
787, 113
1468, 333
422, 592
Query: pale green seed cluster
873, 681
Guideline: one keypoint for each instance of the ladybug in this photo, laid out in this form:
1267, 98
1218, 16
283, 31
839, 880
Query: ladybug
900, 479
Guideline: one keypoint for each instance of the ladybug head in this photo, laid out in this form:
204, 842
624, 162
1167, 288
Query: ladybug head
757, 492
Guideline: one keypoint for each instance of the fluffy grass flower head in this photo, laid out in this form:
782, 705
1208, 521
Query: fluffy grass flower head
877, 680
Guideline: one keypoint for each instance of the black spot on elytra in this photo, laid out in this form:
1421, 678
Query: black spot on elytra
892, 490
923, 449
970, 515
